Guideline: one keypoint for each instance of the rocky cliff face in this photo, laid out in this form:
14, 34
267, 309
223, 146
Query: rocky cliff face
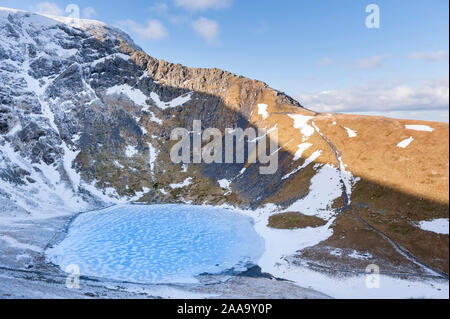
86, 118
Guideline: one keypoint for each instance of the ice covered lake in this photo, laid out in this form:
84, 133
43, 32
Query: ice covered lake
158, 243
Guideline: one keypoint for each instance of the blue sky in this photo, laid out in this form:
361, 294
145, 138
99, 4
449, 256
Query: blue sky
320, 52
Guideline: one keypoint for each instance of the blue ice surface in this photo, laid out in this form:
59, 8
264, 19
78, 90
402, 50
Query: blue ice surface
158, 243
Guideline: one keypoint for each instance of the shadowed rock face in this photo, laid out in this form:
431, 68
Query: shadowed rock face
85, 122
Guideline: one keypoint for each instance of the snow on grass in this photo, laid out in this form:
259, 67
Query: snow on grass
135, 95
308, 161
69, 158
187, 182
16, 244
405, 143
301, 149
351, 133
282, 244
153, 155
225, 184
165, 292
260, 138
262, 110
361, 256
131, 151
420, 128
301, 123
155, 119
110, 57
48, 195
179, 101
325, 188
438, 226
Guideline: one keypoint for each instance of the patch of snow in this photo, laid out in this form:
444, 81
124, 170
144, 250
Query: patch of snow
131, 151
262, 110
351, 133
110, 57
187, 182
301, 149
16, 244
325, 188
308, 161
225, 184
153, 155
438, 226
167, 292
336, 252
361, 256
135, 95
301, 123
118, 165
405, 143
421, 128
179, 101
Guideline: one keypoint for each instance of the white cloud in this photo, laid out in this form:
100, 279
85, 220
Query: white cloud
49, 8
430, 56
432, 94
326, 62
372, 62
160, 8
89, 13
152, 30
207, 29
197, 5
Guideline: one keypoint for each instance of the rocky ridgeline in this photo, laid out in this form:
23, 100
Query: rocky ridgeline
76, 101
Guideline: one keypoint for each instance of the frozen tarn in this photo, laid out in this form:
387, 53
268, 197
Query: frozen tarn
158, 244
351, 133
438, 226
405, 143
301, 123
135, 95
420, 128
179, 101
187, 182
262, 110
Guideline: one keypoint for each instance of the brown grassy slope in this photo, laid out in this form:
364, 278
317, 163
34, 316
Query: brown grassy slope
421, 170
398, 187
